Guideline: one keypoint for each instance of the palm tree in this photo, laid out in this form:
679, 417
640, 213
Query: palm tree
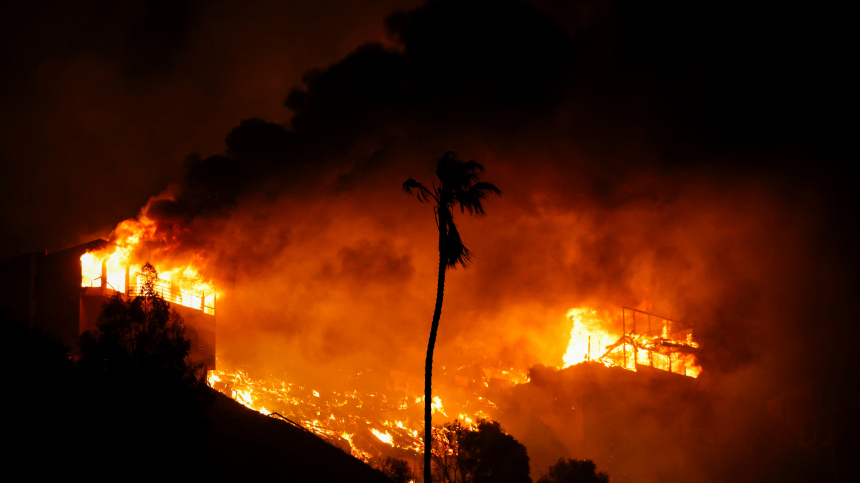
458, 184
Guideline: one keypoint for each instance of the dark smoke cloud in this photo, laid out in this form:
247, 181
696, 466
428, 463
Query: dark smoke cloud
102, 102
659, 139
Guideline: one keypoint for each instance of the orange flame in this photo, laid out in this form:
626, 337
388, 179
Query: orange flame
117, 267
594, 337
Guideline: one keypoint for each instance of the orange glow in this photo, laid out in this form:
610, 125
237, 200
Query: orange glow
383, 436
595, 337
179, 283
588, 336
359, 420
363, 420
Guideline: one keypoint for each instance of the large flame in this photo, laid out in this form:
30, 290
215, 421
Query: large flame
598, 337
590, 334
118, 265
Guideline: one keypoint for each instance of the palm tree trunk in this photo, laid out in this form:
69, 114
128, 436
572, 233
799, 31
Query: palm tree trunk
428, 366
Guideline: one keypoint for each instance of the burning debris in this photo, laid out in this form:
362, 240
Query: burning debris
389, 422
367, 424
669, 346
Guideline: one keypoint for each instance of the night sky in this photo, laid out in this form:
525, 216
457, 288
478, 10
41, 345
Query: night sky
690, 159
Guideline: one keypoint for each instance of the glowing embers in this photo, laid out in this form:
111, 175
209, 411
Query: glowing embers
645, 340
107, 266
365, 423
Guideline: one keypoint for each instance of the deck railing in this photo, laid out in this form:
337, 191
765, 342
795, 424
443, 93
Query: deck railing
174, 295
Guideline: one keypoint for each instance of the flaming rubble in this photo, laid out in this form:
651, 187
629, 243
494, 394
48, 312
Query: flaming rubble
376, 424
368, 424
669, 346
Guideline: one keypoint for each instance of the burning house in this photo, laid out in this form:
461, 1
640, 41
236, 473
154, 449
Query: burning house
63, 293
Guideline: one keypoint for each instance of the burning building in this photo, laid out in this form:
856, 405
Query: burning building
62, 293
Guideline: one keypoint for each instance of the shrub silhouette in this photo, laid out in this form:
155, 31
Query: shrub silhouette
488, 454
574, 471
396, 469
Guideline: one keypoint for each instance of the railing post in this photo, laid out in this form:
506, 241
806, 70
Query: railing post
104, 276
624, 334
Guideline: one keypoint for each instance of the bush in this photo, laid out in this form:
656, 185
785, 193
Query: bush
574, 471
488, 454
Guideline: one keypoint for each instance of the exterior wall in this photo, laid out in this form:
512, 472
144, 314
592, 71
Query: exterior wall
200, 330
58, 287
17, 287
90, 308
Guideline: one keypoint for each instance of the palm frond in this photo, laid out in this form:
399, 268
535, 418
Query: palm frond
422, 192
459, 183
456, 174
485, 187
470, 199
456, 252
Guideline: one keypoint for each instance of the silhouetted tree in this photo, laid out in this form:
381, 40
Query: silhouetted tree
458, 185
574, 471
396, 469
141, 335
446, 451
464, 455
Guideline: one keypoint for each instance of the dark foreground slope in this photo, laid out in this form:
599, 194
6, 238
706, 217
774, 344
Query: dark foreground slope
59, 421
243, 443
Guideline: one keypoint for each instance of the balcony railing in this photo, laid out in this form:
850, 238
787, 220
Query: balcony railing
174, 295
